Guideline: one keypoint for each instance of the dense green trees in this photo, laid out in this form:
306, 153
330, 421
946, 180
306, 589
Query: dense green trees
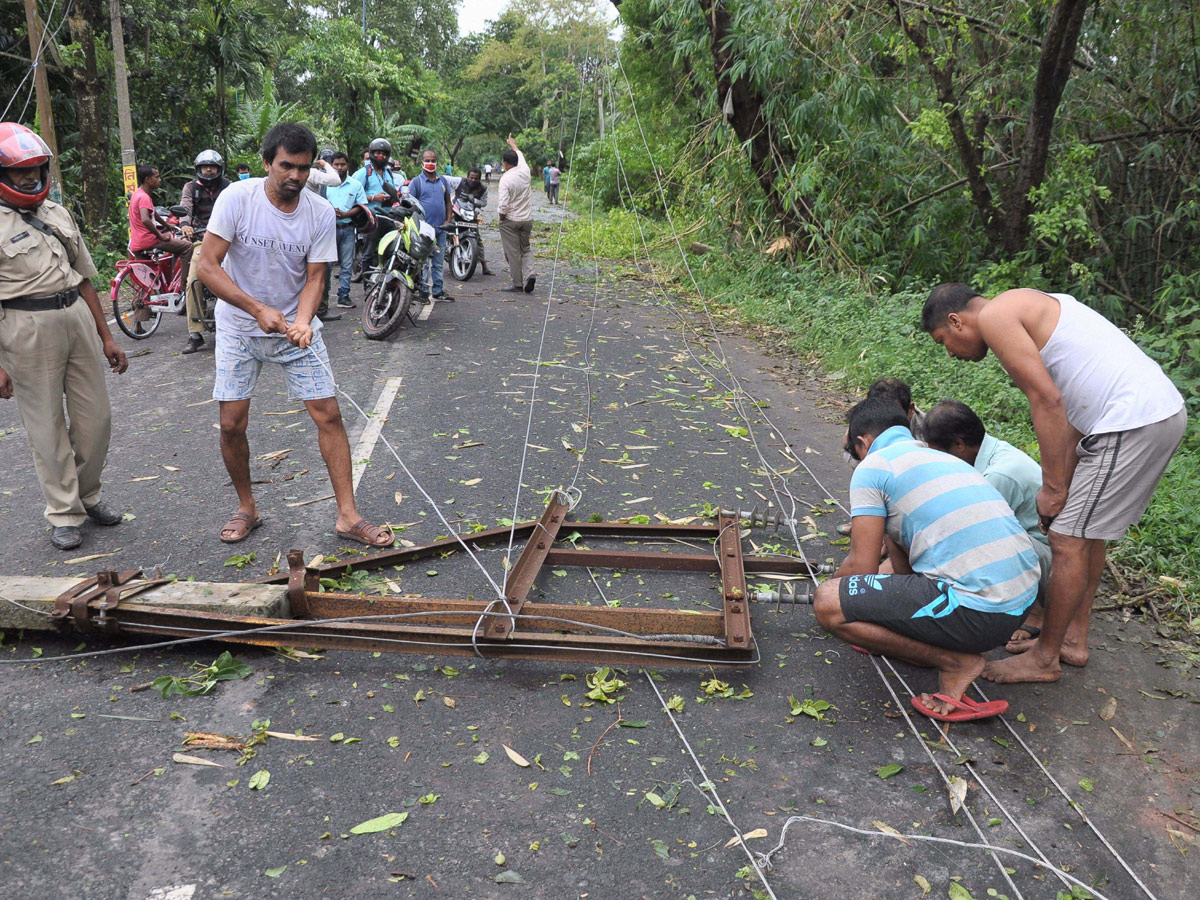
217, 73
1043, 141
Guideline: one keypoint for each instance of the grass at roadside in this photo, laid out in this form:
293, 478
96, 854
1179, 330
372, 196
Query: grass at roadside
857, 335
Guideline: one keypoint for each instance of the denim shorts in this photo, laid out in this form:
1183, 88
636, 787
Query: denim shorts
240, 357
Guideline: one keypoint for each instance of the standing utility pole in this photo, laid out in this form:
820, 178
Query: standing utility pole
124, 119
33, 24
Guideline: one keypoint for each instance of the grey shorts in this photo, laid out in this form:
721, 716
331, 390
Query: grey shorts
1116, 477
240, 359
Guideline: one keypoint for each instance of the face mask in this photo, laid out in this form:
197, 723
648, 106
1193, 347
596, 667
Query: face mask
242, 176
429, 166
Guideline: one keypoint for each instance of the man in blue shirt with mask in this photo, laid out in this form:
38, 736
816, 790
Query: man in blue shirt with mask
433, 192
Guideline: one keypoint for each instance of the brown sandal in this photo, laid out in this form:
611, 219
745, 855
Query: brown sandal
240, 525
364, 532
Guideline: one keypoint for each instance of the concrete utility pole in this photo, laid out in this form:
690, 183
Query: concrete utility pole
124, 119
600, 102
33, 24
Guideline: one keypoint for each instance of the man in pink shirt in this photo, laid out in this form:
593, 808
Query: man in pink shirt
146, 232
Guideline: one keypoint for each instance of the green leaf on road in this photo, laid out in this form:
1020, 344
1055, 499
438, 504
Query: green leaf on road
260, 780
889, 770
379, 823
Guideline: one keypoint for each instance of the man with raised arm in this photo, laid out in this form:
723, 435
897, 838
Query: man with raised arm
1108, 420
515, 211
268, 245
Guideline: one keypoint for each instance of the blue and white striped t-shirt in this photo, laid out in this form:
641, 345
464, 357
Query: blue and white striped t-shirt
955, 526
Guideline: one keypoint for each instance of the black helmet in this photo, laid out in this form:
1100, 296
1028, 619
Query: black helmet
209, 158
406, 206
326, 154
380, 145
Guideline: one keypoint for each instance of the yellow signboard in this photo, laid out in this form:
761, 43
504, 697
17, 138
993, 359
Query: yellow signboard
130, 180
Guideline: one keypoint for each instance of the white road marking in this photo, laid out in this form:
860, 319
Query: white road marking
366, 441
426, 310
183, 892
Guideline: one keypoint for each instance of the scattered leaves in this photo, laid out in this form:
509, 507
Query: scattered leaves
379, 823
515, 756
194, 760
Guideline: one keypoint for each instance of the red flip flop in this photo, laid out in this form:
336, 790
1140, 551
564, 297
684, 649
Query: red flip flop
863, 651
966, 709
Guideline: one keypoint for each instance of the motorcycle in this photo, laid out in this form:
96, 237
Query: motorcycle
397, 283
463, 233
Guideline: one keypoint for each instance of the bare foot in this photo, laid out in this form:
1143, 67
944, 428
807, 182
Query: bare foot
953, 683
1069, 653
1074, 654
1028, 631
1026, 667
1020, 646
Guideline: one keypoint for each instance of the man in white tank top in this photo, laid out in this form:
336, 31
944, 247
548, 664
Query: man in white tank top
1108, 420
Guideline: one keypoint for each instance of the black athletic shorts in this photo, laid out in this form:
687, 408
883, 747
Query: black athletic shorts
925, 610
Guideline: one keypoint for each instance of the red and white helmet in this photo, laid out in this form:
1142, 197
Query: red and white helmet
21, 148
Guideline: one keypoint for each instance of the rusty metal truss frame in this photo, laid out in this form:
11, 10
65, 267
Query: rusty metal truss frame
514, 627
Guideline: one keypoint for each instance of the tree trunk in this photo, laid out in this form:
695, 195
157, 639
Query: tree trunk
88, 90
220, 90
1006, 223
743, 108
1054, 69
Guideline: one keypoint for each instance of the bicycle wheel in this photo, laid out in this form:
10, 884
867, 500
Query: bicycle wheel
464, 257
131, 308
384, 309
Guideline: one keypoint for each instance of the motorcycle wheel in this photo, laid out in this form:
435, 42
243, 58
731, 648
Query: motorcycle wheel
208, 309
384, 309
464, 257
131, 309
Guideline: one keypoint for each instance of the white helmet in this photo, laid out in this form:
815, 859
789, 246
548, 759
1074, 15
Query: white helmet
209, 158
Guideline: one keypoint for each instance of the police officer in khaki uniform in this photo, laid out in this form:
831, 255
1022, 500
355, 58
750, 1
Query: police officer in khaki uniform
48, 339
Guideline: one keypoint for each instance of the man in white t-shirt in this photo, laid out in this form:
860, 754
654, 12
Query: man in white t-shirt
1108, 420
268, 245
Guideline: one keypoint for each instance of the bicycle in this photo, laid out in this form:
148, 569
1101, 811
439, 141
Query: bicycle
146, 287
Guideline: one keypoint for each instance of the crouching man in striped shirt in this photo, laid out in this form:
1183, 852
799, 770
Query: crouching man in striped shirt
964, 568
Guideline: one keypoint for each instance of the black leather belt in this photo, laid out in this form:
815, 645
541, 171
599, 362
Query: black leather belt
61, 300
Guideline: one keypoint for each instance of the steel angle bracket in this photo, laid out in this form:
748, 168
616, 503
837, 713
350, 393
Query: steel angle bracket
516, 627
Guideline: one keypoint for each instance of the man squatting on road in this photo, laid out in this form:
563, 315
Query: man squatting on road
964, 571
265, 255
1108, 420
52, 346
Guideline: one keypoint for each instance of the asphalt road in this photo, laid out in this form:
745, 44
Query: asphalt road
610, 805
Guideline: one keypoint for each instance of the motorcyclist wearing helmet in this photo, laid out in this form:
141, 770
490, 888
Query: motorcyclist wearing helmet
473, 190
198, 198
377, 180
48, 346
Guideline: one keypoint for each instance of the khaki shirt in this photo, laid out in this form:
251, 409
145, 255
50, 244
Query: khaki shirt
33, 264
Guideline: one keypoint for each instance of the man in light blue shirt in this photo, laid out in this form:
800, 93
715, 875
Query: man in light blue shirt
964, 569
380, 187
953, 427
349, 200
